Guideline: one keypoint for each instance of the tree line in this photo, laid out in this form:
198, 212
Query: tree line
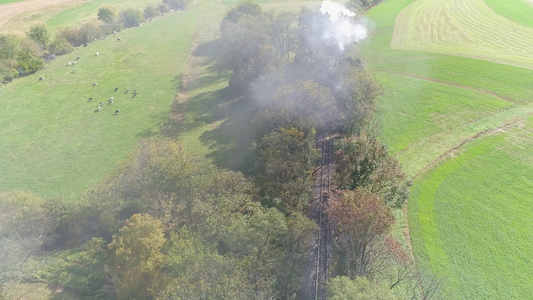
171, 225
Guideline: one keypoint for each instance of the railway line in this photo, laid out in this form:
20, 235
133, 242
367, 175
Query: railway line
323, 251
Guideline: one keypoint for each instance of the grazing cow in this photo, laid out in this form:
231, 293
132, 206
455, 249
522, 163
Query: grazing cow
74, 71
127, 91
101, 103
95, 83
86, 44
117, 111
41, 78
78, 58
97, 53
69, 64
114, 32
98, 108
112, 98
90, 99
110, 101
73, 63
116, 89
118, 40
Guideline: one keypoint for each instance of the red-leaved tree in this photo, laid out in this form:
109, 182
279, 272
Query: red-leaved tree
359, 219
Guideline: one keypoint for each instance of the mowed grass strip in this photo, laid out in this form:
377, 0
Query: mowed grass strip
520, 11
471, 219
463, 28
54, 144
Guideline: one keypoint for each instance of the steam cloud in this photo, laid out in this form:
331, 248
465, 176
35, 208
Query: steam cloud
343, 29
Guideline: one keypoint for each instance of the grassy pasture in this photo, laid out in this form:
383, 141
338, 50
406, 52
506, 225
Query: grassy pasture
464, 28
472, 215
467, 210
53, 142
520, 11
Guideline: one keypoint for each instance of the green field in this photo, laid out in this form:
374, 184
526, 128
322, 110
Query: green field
465, 28
462, 128
520, 11
54, 143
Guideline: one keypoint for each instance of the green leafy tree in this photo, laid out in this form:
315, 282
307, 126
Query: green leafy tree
9, 46
247, 50
247, 8
107, 14
359, 220
188, 258
131, 17
344, 288
286, 159
364, 162
136, 258
356, 98
41, 34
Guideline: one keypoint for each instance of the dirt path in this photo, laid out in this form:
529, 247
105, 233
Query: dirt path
11, 10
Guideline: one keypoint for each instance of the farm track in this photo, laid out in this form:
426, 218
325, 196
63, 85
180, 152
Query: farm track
11, 10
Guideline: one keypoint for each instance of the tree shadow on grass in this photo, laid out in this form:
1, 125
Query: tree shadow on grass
230, 142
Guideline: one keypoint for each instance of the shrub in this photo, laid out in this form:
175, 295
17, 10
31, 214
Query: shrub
131, 17
88, 32
163, 8
150, 12
107, 14
70, 34
176, 4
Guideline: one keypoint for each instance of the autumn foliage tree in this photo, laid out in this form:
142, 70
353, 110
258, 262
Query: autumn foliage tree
359, 219
136, 257
364, 163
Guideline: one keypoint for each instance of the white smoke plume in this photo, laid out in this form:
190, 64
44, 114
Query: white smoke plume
343, 29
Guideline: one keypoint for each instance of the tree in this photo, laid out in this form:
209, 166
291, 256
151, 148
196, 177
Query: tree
41, 34
247, 50
359, 219
286, 159
188, 260
356, 97
150, 12
364, 162
9, 46
344, 288
131, 17
302, 104
136, 258
107, 14
247, 8
26, 225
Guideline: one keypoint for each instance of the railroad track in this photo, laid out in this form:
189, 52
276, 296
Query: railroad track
323, 253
